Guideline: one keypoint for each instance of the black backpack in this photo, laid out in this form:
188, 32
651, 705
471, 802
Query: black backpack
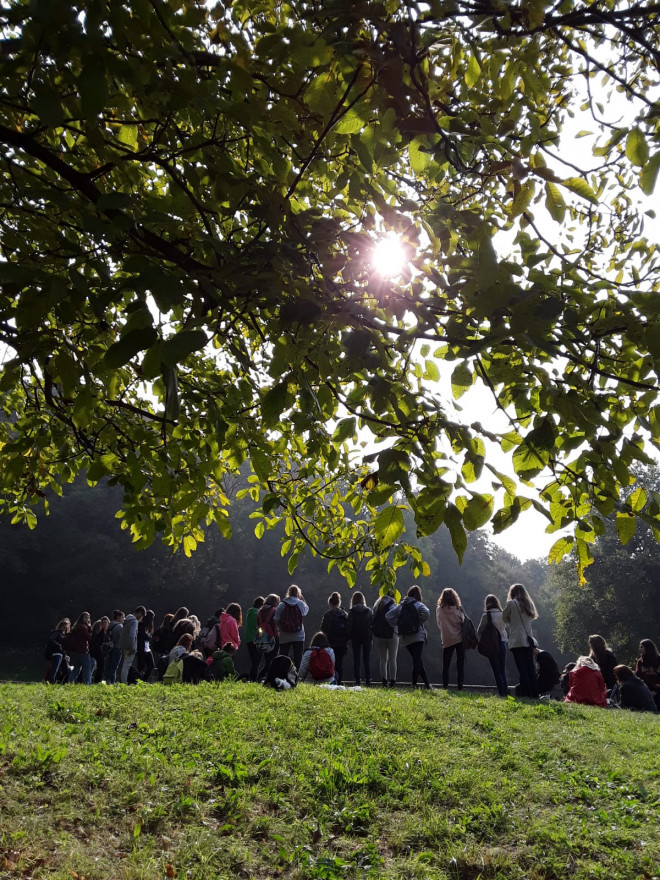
381, 628
470, 639
338, 634
408, 623
490, 639
281, 668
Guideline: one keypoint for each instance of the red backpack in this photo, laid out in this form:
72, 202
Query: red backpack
291, 619
321, 665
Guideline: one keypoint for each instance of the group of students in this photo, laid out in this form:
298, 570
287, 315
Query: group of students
130, 647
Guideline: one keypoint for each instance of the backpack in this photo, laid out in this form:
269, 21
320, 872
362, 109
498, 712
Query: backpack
381, 628
470, 639
321, 665
174, 672
338, 634
107, 644
490, 640
291, 620
408, 623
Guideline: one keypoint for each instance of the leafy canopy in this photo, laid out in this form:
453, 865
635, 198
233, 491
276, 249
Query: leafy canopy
189, 198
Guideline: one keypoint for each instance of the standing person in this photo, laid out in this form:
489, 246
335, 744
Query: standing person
161, 642
586, 684
360, 635
144, 659
449, 616
335, 626
267, 626
113, 658
493, 614
289, 619
408, 617
600, 651
518, 614
251, 632
386, 639
648, 668
96, 647
77, 644
226, 629
55, 649
129, 641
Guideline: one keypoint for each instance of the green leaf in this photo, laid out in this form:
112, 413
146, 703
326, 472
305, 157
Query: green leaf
637, 149
275, 401
457, 532
178, 347
649, 174
431, 371
128, 135
461, 379
580, 187
344, 430
350, 123
554, 202
626, 526
473, 72
478, 511
127, 347
93, 89
560, 548
388, 526
638, 499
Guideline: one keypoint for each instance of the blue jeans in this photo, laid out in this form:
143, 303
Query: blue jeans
112, 664
81, 663
55, 661
498, 665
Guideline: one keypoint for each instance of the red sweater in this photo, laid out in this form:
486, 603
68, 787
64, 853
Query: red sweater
586, 686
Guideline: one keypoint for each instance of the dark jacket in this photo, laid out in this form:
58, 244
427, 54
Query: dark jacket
54, 644
335, 626
78, 639
635, 695
606, 665
548, 672
359, 623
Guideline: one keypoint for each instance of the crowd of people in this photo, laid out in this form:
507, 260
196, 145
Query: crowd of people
129, 647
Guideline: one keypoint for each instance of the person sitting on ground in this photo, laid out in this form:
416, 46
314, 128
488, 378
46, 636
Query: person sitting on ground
173, 673
647, 668
586, 684
318, 663
600, 652
221, 663
547, 671
195, 668
564, 678
631, 692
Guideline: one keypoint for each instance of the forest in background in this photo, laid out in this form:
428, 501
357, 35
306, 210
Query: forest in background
79, 558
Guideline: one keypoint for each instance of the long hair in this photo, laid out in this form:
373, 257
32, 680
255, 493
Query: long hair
649, 653
293, 592
598, 647
180, 614
518, 592
449, 598
234, 610
492, 603
80, 621
186, 641
415, 593
319, 640
357, 599
272, 599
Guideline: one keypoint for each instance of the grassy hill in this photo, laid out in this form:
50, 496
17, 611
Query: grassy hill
227, 781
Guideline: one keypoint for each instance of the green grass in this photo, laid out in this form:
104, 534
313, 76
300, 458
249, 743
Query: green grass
233, 781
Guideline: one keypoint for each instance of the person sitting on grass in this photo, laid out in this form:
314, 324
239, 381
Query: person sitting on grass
221, 663
647, 668
318, 663
631, 692
586, 684
600, 651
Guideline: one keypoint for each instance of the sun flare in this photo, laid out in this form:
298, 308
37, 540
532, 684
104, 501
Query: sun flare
389, 257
